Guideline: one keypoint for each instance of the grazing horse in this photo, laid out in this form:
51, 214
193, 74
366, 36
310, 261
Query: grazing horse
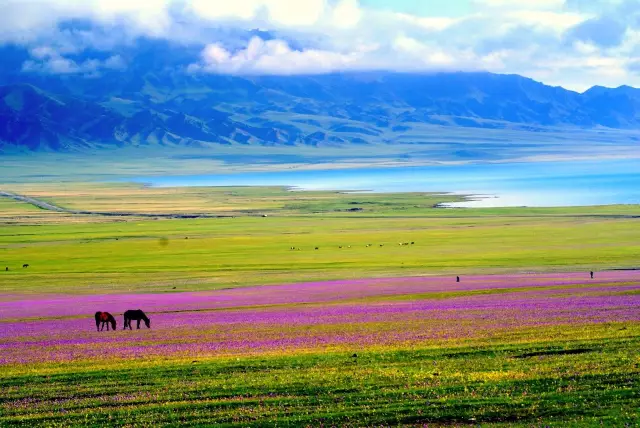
105, 318
25, 266
457, 279
591, 274
135, 315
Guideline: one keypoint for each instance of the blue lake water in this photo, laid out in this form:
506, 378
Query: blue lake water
537, 184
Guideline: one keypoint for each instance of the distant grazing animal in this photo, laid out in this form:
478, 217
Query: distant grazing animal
135, 315
340, 246
457, 279
6, 269
382, 245
412, 243
317, 248
25, 266
105, 318
591, 274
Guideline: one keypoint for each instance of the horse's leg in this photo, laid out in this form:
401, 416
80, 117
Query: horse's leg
107, 323
138, 324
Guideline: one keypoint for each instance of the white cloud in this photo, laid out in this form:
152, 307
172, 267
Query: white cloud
46, 59
274, 57
521, 4
280, 12
26, 19
347, 14
545, 39
547, 19
428, 23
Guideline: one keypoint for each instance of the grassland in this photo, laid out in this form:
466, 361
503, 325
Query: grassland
592, 381
94, 253
533, 346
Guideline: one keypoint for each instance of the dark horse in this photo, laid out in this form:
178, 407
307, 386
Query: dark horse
105, 318
135, 315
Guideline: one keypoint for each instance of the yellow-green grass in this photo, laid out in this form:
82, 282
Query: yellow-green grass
15, 212
278, 201
558, 376
136, 198
87, 253
145, 256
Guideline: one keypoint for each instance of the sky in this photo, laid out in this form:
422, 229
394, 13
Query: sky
571, 43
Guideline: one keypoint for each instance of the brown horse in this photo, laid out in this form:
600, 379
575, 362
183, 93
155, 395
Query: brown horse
105, 318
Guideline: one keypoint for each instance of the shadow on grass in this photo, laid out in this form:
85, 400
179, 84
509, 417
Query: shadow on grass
554, 352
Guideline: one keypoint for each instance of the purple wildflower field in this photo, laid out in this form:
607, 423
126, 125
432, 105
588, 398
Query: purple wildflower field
326, 315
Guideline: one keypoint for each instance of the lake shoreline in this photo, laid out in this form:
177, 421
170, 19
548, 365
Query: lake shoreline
542, 184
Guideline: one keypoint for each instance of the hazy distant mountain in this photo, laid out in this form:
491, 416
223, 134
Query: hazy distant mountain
154, 100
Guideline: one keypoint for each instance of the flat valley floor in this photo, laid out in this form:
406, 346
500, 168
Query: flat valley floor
278, 308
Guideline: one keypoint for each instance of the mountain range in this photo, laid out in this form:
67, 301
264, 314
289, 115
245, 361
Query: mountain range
154, 100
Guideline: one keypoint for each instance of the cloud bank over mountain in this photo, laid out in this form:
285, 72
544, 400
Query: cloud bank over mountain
573, 43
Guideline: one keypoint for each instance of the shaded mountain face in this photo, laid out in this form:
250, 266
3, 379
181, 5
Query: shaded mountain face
36, 120
154, 100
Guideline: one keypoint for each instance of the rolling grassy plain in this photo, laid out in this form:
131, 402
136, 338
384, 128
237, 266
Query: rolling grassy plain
241, 336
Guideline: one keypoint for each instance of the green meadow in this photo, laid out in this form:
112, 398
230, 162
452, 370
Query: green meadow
555, 377
561, 375
89, 254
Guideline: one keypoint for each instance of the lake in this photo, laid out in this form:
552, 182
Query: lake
533, 184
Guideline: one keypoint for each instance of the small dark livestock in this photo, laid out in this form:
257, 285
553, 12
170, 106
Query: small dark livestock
105, 318
135, 315
25, 266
